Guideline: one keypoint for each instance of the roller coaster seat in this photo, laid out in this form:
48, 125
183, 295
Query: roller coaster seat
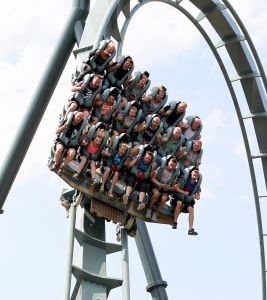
111, 75
185, 176
106, 93
93, 59
119, 126
164, 162
148, 121
132, 83
72, 141
189, 120
175, 146
188, 147
81, 96
154, 91
173, 105
122, 138
142, 151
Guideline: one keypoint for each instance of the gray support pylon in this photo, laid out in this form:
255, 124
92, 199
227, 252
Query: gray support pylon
70, 246
89, 261
125, 266
156, 286
41, 98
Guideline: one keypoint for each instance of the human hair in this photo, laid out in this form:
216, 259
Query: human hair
145, 73
162, 88
100, 132
123, 145
194, 169
149, 153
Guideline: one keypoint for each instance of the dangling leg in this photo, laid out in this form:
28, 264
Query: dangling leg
113, 182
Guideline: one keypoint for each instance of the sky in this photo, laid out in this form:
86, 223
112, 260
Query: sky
223, 261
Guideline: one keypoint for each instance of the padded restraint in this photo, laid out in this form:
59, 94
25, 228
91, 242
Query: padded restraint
153, 93
92, 60
148, 121
132, 83
74, 139
142, 150
80, 96
189, 120
111, 77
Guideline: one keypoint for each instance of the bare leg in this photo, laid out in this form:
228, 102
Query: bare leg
190, 210
93, 169
163, 200
154, 198
83, 161
114, 180
177, 211
104, 179
70, 155
58, 153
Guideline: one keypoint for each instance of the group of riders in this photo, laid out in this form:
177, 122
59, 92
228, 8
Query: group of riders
115, 122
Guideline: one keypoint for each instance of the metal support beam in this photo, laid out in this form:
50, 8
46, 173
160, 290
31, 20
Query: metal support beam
156, 286
41, 99
70, 246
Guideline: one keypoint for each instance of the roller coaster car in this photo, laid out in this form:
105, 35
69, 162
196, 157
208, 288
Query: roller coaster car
104, 206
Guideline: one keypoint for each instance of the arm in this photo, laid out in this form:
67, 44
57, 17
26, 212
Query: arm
196, 196
61, 128
130, 163
78, 88
179, 190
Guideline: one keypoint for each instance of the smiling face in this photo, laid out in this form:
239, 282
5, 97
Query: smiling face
196, 124
127, 64
177, 132
78, 117
95, 82
148, 158
122, 150
197, 146
155, 122
159, 97
143, 80
181, 107
132, 112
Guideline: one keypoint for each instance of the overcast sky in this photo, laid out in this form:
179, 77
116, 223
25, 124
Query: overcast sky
223, 261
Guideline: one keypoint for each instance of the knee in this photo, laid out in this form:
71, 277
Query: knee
155, 193
190, 210
179, 204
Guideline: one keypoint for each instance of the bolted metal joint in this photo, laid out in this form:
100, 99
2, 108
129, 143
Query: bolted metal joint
154, 285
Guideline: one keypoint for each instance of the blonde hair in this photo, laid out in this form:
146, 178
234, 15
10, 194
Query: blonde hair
123, 145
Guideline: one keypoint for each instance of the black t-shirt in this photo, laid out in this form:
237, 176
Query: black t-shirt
173, 115
148, 134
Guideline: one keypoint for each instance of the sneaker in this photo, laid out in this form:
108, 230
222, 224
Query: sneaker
94, 181
174, 226
141, 206
149, 213
125, 199
154, 217
192, 232
75, 175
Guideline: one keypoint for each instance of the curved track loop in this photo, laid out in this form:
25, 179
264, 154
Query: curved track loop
238, 44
